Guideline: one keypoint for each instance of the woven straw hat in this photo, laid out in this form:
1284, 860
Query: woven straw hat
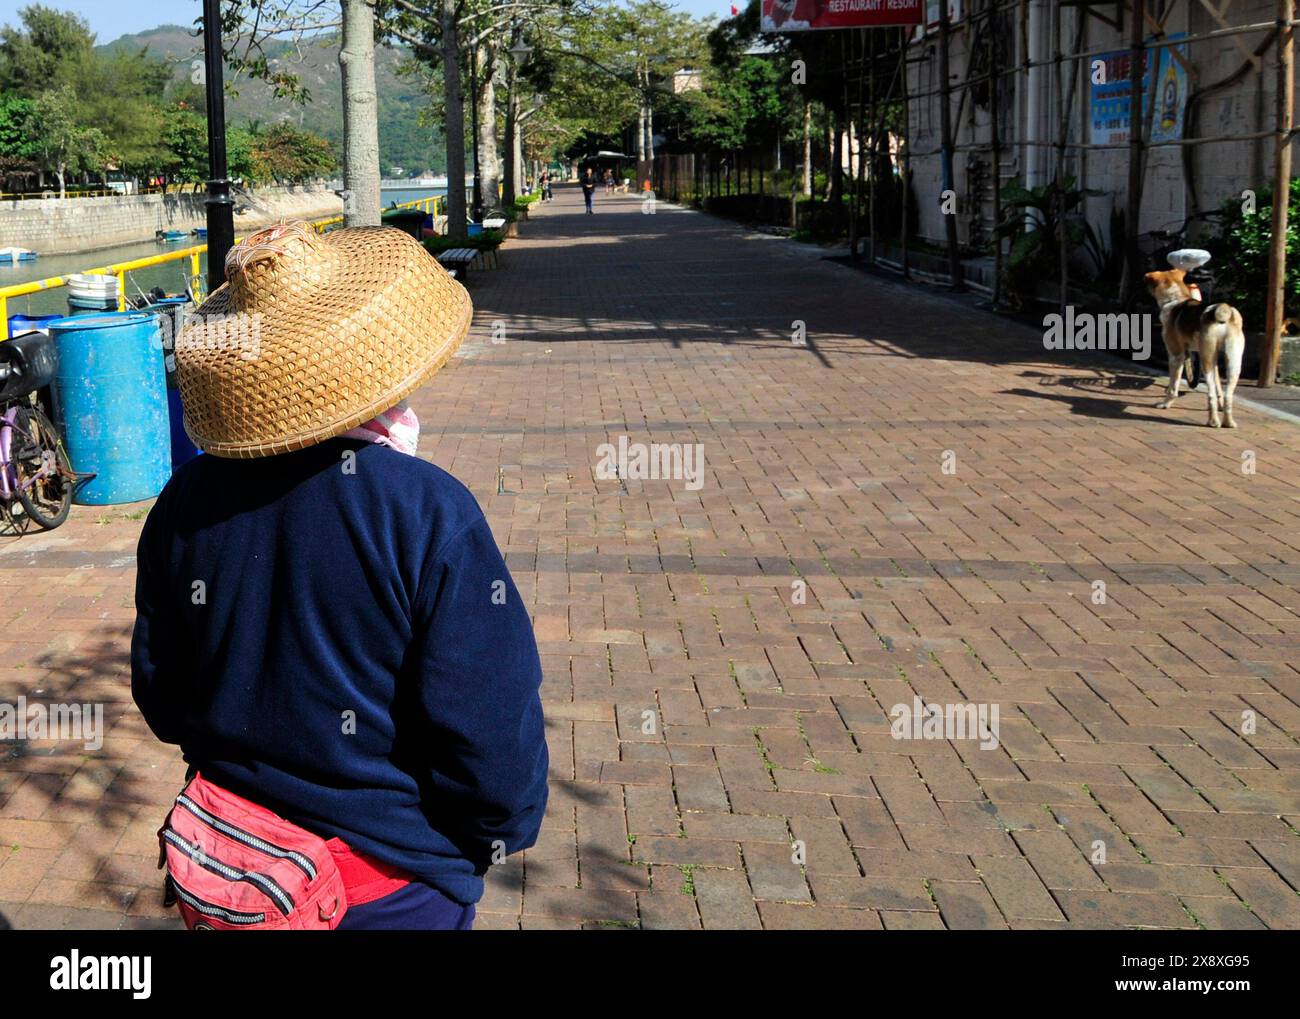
313, 334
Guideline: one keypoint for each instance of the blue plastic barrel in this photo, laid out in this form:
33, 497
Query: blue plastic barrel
25, 323
112, 403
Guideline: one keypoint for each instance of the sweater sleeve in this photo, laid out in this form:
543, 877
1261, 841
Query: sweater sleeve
158, 681
479, 680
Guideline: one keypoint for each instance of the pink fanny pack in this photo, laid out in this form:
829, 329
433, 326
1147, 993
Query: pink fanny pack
233, 865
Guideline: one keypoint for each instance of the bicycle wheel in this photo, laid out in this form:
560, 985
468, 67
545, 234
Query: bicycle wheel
43, 469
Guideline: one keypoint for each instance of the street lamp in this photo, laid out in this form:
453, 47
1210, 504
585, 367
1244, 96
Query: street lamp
220, 206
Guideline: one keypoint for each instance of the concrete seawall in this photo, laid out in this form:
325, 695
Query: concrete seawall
53, 226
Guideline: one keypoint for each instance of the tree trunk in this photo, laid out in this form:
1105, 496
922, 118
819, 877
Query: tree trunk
512, 180
517, 155
454, 128
489, 158
59, 173
835, 181
360, 115
807, 149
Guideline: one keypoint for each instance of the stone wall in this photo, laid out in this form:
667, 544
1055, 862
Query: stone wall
52, 226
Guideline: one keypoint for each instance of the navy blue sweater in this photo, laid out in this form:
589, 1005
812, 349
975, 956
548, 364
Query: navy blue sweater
333, 633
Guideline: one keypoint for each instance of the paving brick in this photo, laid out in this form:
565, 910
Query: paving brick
725, 900
1108, 909
773, 873
1267, 895
1222, 914
1016, 889
788, 916
668, 909
906, 893
903, 920
691, 851
966, 906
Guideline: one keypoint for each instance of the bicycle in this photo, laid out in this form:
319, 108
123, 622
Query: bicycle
35, 470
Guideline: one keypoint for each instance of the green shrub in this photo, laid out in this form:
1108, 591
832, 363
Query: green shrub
823, 222
1032, 218
1240, 252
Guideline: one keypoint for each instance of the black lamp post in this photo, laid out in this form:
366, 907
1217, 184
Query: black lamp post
220, 206
477, 211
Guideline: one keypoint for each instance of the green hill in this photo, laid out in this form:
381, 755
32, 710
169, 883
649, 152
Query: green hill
402, 140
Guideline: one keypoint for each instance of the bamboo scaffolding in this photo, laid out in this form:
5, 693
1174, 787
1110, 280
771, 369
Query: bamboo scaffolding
1275, 307
945, 132
907, 159
1133, 208
995, 132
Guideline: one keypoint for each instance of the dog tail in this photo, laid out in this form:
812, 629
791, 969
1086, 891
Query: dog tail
1222, 314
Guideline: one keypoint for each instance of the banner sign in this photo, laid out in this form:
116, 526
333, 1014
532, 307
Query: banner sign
932, 12
812, 15
1110, 98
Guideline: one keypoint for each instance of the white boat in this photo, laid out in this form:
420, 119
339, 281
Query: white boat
12, 254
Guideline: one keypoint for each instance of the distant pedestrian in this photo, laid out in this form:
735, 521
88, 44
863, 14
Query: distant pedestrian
609, 182
588, 187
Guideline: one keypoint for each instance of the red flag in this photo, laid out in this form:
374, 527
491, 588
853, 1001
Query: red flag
734, 11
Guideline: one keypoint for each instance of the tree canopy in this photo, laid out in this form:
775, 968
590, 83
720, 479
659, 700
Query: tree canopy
68, 107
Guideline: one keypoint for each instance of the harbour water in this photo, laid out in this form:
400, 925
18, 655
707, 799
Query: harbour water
172, 277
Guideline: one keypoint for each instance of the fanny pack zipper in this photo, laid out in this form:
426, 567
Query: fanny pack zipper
262, 882
302, 862
212, 909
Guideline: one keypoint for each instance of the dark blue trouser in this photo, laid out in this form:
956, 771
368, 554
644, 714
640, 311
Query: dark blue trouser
586, 197
415, 907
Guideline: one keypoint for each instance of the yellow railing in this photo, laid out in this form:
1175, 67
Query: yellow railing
430, 206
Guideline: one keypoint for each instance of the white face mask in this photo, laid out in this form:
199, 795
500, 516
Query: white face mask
397, 428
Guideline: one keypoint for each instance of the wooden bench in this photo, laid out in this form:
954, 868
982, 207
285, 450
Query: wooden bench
458, 261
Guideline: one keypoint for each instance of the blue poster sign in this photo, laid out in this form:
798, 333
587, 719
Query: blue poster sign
1110, 94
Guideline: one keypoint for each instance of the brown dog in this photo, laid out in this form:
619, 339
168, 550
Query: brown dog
1209, 330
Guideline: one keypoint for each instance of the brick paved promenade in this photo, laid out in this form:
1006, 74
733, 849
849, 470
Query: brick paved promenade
915, 504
